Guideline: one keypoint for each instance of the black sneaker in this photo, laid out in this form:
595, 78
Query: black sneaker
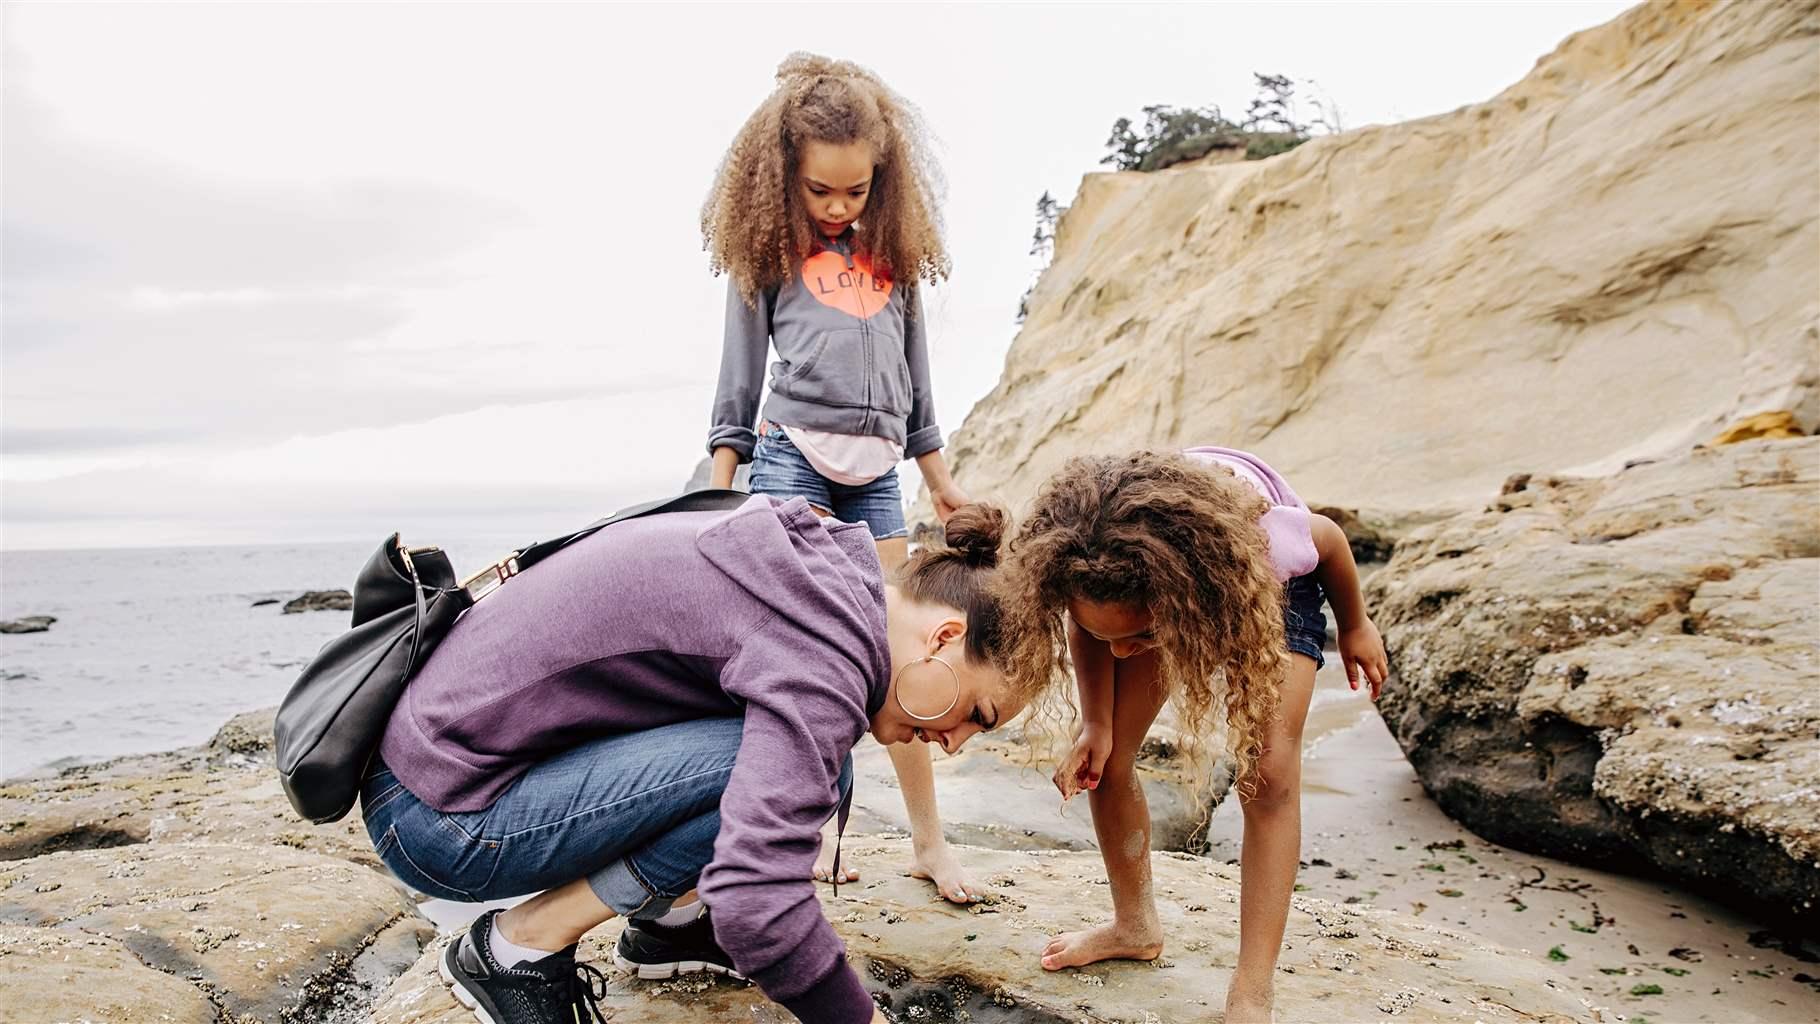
657, 951
554, 990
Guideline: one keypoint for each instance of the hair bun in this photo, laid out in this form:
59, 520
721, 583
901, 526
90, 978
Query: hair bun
975, 532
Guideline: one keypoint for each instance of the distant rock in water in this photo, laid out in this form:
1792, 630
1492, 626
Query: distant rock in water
264, 601
29, 624
321, 601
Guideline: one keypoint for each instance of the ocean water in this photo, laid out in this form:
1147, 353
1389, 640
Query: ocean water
154, 648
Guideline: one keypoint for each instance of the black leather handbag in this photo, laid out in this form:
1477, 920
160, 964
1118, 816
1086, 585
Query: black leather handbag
405, 600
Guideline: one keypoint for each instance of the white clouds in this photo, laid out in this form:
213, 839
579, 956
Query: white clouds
256, 254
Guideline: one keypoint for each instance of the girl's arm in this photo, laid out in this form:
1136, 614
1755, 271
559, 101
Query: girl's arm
1093, 676
726, 464
742, 380
1361, 647
922, 438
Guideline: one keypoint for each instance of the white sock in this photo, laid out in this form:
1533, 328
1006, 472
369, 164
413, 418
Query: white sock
676, 917
511, 954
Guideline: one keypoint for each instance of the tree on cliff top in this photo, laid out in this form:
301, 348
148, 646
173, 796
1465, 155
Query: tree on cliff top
1042, 244
1174, 135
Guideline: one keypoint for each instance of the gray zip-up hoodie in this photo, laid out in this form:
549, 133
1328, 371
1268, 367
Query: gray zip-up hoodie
852, 357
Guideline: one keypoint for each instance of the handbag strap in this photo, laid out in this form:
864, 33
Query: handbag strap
416, 592
490, 578
694, 501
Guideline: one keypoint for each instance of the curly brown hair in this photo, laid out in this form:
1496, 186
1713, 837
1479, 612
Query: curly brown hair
1156, 530
754, 225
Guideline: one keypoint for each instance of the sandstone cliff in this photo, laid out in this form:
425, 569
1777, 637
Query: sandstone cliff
1613, 259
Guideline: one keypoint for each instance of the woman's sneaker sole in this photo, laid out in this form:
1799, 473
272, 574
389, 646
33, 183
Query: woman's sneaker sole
659, 972
462, 995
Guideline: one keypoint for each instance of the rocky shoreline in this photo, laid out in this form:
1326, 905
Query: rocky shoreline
186, 882
186, 878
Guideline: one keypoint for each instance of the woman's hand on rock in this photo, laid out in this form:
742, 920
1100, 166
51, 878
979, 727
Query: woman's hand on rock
939, 865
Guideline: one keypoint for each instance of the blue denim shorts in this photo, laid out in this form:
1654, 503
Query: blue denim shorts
636, 814
780, 470
1304, 623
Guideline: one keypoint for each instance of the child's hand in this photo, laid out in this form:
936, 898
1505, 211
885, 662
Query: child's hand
947, 499
1081, 768
1362, 651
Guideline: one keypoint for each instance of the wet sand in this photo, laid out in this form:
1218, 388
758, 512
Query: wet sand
1370, 834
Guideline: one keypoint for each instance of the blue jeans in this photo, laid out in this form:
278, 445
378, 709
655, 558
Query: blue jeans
1304, 623
636, 814
780, 470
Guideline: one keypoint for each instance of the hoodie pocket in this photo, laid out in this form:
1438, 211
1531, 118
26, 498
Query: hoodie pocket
891, 390
831, 370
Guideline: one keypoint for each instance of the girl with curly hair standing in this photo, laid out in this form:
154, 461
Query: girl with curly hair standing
823, 214
1195, 576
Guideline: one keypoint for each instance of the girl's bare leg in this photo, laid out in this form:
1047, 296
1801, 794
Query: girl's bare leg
1271, 853
933, 858
1121, 820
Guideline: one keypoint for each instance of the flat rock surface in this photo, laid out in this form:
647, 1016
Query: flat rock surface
925, 958
53, 974
225, 790
263, 933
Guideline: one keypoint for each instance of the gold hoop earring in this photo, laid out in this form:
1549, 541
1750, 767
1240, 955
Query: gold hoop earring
898, 690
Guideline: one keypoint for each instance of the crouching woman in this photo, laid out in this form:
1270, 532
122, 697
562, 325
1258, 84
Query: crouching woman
673, 701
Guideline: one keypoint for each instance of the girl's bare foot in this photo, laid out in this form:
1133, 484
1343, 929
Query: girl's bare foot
1110, 941
824, 861
1249, 1003
939, 866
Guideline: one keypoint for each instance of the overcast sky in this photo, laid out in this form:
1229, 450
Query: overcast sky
321, 271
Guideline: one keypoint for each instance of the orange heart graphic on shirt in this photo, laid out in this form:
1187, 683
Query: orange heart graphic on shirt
854, 290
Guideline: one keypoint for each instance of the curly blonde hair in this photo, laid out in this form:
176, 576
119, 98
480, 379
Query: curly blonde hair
754, 225
1158, 531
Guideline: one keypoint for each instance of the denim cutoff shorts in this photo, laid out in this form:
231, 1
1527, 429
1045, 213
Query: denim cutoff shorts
1304, 623
781, 470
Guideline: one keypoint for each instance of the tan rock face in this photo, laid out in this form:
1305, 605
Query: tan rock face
116, 867
1626, 670
223, 791
49, 974
926, 959
1613, 259
262, 931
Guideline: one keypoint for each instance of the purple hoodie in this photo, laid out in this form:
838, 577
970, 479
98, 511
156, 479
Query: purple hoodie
769, 612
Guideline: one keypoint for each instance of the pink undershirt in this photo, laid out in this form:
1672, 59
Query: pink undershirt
849, 459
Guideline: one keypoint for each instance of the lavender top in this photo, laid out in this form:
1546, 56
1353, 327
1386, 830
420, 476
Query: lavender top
768, 612
1286, 523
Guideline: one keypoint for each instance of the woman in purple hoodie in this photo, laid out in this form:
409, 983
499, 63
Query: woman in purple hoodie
672, 703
